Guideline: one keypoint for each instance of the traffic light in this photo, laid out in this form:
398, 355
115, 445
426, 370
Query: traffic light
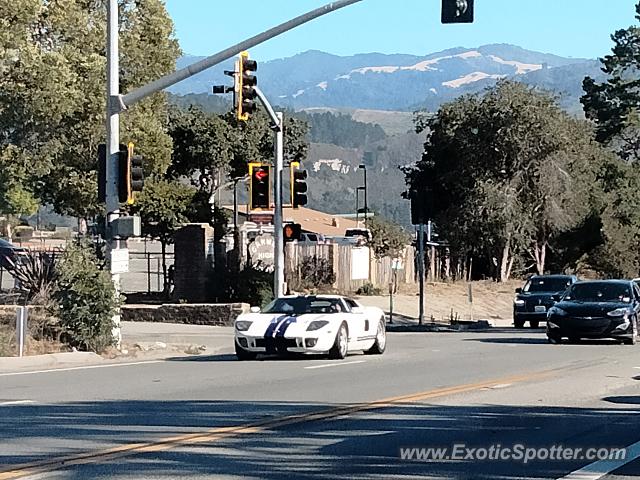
259, 186
245, 85
457, 11
291, 232
298, 185
130, 174
419, 207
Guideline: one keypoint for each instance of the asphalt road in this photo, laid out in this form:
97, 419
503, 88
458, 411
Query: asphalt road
215, 417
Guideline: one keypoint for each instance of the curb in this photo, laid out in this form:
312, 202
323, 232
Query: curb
10, 364
430, 327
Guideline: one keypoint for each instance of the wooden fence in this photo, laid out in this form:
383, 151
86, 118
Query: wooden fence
353, 266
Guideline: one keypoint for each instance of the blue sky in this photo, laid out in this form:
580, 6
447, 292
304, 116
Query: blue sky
575, 28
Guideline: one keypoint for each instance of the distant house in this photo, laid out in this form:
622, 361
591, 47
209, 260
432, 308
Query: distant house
312, 221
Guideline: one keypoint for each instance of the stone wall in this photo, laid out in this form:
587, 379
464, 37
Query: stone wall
193, 314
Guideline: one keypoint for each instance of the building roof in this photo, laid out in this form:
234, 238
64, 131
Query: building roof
313, 221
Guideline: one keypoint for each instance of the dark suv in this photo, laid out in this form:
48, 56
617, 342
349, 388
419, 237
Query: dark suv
535, 298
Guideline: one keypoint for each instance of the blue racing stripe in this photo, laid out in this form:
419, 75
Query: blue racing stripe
283, 327
275, 323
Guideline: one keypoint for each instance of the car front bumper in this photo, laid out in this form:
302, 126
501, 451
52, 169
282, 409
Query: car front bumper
593, 328
308, 344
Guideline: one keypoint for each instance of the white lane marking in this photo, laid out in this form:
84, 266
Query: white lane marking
86, 367
327, 365
599, 469
17, 402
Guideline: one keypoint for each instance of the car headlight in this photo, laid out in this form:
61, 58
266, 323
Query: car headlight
618, 312
243, 325
518, 302
317, 325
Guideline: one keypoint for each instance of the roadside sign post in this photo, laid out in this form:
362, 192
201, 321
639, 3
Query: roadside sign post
22, 314
421, 271
391, 302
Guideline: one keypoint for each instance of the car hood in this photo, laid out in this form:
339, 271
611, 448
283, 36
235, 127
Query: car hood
265, 319
591, 309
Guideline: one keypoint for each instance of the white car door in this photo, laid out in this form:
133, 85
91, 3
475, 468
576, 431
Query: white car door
359, 324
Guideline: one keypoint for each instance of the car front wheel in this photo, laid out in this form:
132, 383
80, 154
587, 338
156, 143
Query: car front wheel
381, 339
517, 322
634, 332
243, 354
341, 344
554, 339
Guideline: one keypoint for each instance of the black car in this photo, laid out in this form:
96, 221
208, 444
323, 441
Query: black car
534, 299
596, 309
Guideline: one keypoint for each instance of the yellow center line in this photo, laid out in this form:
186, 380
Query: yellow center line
220, 433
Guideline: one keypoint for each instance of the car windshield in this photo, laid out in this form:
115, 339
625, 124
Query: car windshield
301, 305
5, 244
547, 284
599, 292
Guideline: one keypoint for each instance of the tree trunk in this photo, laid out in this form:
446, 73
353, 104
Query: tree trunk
447, 265
540, 256
505, 263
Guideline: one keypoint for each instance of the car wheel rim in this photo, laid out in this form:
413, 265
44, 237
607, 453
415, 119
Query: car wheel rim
382, 335
343, 341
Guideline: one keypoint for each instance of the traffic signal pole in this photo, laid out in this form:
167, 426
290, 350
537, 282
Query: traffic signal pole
277, 216
113, 148
278, 247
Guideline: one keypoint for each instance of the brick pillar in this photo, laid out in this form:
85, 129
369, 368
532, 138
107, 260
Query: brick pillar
192, 262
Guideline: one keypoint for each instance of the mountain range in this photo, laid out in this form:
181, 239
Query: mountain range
401, 82
383, 90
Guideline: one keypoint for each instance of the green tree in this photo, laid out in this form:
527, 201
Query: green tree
614, 105
387, 239
504, 173
52, 91
201, 147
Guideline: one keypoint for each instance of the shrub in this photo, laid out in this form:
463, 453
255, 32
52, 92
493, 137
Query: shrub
35, 274
85, 300
368, 289
254, 287
315, 273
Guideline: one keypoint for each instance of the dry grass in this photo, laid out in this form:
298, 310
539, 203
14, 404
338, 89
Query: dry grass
446, 301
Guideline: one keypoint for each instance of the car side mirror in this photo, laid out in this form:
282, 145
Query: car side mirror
518, 290
556, 297
255, 309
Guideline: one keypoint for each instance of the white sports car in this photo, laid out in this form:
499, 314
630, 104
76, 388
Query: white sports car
321, 324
